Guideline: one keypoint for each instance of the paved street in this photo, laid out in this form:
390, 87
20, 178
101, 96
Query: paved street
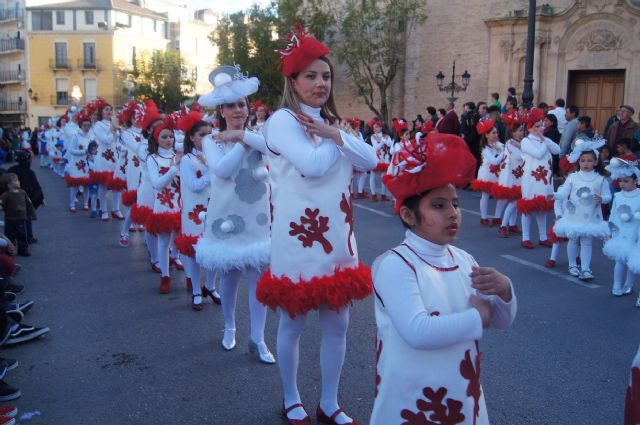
120, 353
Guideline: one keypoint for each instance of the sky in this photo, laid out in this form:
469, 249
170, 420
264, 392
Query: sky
225, 6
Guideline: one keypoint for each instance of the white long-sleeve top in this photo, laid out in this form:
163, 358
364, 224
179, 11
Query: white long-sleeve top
539, 150
189, 173
104, 135
225, 164
158, 180
564, 191
314, 157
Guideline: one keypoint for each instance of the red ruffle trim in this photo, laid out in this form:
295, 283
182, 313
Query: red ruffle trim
382, 167
129, 197
117, 183
140, 213
482, 185
538, 203
76, 181
101, 177
509, 193
335, 291
553, 238
163, 222
184, 244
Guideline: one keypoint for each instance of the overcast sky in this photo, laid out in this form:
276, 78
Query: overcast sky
226, 6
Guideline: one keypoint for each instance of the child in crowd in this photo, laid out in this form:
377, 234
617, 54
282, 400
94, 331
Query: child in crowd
58, 159
433, 301
584, 128
507, 187
623, 146
381, 142
492, 156
92, 187
17, 210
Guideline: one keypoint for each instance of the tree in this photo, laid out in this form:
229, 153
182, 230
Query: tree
163, 76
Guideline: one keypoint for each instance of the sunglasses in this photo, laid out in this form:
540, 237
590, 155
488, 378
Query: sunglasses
240, 105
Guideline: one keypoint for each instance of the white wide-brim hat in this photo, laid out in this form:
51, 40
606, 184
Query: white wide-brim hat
229, 85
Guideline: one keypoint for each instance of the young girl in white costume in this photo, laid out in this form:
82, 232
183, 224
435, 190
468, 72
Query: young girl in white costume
537, 180
77, 174
433, 300
382, 144
164, 175
236, 238
314, 259
624, 222
508, 187
492, 156
584, 192
195, 188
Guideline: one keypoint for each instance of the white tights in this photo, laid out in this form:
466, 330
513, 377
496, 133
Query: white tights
621, 274
164, 241
500, 206
372, 183
555, 251
73, 190
510, 214
541, 220
585, 252
152, 246
115, 198
229, 283
332, 351
127, 222
362, 178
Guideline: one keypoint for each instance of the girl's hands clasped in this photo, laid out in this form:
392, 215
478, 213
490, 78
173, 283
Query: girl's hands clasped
320, 129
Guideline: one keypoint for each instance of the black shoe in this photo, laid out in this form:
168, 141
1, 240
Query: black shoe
6, 334
7, 392
10, 297
15, 288
23, 333
3, 371
33, 240
16, 316
10, 364
211, 294
21, 307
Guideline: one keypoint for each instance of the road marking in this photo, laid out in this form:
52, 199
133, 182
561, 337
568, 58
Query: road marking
470, 211
373, 210
544, 269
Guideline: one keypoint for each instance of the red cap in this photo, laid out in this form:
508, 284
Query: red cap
512, 118
399, 126
168, 122
533, 116
435, 161
82, 116
188, 120
302, 49
485, 126
151, 114
258, 103
127, 112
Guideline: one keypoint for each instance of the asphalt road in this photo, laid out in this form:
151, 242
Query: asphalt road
120, 353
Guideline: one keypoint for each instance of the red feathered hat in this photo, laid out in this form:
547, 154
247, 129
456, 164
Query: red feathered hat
188, 120
427, 127
258, 103
302, 49
195, 106
99, 103
533, 116
485, 126
439, 160
151, 114
82, 116
168, 122
512, 118
353, 122
371, 123
127, 112
399, 126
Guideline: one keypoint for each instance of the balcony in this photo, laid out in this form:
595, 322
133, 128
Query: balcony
84, 65
59, 64
12, 106
11, 14
61, 99
14, 76
11, 45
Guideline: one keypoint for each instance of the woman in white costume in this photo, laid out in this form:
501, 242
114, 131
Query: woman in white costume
77, 174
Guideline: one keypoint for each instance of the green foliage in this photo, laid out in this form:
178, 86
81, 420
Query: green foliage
163, 76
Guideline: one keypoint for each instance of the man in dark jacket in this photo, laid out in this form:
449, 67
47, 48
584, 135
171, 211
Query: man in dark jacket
29, 183
468, 129
450, 124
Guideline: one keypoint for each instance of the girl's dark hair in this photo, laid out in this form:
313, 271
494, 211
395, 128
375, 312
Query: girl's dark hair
483, 138
553, 119
598, 167
60, 121
99, 111
188, 143
413, 203
223, 122
442, 111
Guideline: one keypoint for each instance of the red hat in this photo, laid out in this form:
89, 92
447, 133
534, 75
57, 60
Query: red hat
399, 126
512, 118
353, 122
127, 112
439, 160
195, 106
485, 126
82, 116
168, 122
188, 120
533, 116
427, 127
302, 49
258, 103
151, 114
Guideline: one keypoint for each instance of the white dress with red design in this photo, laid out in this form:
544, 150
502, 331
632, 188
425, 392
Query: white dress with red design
236, 228
145, 195
194, 190
314, 258
77, 170
537, 180
632, 399
582, 214
105, 159
119, 179
511, 171
489, 171
382, 145
132, 138
428, 359
165, 180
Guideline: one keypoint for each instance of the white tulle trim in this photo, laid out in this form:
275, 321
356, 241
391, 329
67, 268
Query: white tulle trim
617, 249
230, 92
634, 263
568, 228
223, 257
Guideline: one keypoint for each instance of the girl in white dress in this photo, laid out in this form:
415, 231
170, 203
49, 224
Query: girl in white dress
489, 171
77, 174
507, 187
433, 301
382, 144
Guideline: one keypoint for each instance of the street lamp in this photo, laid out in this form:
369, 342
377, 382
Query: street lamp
453, 87
527, 93
76, 94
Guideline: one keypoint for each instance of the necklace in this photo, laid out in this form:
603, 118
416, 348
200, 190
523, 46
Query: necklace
440, 269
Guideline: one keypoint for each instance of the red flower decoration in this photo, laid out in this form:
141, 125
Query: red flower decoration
198, 174
136, 161
163, 170
81, 165
347, 208
445, 412
540, 173
109, 155
166, 197
311, 229
471, 372
494, 169
194, 213
518, 172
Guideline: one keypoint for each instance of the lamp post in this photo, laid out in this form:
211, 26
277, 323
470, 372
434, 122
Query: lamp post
527, 93
76, 95
453, 87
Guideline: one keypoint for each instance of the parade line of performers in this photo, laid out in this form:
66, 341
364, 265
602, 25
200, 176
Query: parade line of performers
271, 200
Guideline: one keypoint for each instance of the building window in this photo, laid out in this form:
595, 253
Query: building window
60, 17
42, 20
89, 50
62, 91
61, 55
88, 17
90, 89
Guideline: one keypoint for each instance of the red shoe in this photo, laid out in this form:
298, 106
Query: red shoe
124, 241
155, 268
305, 421
384, 198
132, 229
515, 230
165, 285
527, 244
177, 263
8, 420
10, 411
331, 420
189, 285
550, 264
546, 243
364, 195
496, 222
485, 222
374, 198
117, 215
503, 232
72, 209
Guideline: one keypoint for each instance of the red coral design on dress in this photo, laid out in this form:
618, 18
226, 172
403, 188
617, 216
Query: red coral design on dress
109, 155
198, 174
166, 197
136, 161
471, 372
540, 173
163, 170
378, 377
311, 229
494, 169
194, 213
123, 166
443, 414
632, 399
347, 208
81, 165
518, 172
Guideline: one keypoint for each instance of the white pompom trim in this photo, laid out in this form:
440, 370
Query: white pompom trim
570, 228
224, 257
